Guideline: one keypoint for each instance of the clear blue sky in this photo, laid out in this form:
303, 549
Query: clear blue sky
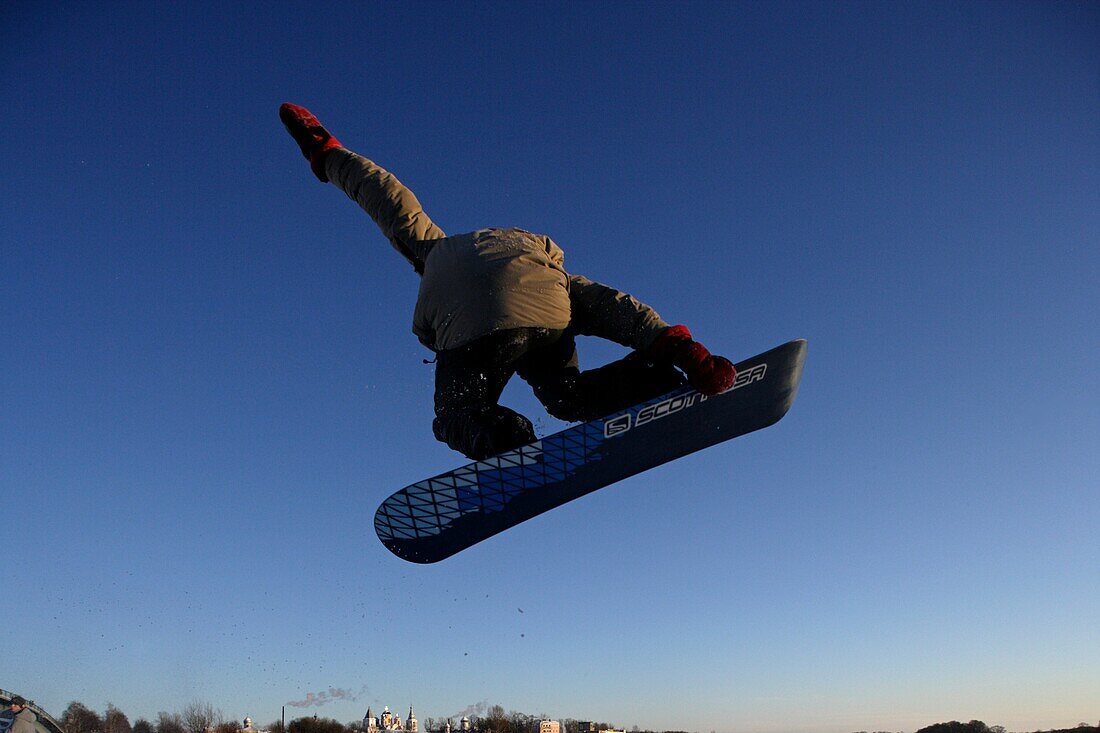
208, 380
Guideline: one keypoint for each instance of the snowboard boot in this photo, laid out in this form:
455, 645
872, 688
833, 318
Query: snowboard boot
581, 396
480, 433
707, 373
314, 140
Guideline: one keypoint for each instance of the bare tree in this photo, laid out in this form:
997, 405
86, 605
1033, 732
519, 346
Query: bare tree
115, 721
141, 725
315, 725
495, 721
169, 723
77, 718
198, 717
523, 722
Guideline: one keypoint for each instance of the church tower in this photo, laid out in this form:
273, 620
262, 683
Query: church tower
411, 726
370, 723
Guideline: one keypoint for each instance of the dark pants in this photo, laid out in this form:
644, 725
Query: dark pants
469, 381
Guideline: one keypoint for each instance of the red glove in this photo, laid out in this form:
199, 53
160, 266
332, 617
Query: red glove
314, 140
709, 374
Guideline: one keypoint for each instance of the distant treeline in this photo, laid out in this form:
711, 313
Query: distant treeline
202, 717
977, 726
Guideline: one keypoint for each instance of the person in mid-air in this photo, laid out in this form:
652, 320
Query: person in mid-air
498, 302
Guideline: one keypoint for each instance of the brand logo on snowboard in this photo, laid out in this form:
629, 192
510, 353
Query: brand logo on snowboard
622, 423
748, 376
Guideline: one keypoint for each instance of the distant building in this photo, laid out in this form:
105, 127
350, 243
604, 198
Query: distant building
248, 727
390, 722
549, 726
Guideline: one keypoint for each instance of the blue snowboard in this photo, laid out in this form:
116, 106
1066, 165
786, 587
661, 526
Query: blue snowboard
435, 518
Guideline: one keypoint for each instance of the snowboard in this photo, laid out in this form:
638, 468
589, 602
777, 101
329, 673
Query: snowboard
435, 518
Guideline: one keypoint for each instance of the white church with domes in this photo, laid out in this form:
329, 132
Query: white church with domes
390, 722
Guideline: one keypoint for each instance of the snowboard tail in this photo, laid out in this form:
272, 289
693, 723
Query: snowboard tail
438, 517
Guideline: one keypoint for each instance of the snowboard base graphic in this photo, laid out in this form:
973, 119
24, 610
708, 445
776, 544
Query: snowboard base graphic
437, 517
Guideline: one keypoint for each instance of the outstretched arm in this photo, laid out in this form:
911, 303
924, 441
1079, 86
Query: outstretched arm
394, 208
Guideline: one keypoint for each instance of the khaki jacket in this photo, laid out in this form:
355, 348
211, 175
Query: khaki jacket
490, 279
24, 722
485, 281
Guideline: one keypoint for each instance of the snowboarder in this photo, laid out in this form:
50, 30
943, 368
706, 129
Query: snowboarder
497, 302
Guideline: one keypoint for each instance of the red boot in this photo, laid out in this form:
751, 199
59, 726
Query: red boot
709, 374
314, 140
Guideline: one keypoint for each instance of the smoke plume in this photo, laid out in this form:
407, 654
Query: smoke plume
332, 694
477, 710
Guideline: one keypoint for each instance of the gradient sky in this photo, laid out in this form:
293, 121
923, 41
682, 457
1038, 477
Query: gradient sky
208, 380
